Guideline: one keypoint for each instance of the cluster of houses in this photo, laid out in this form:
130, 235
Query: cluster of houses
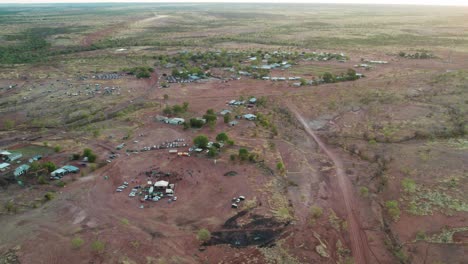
172, 121
174, 144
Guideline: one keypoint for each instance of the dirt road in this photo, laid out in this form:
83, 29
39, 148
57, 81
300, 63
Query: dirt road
358, 239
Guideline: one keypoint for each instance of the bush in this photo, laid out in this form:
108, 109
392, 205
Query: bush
76, 156
393, 209
92, 158
201, 141
203, 235
280, 166
49, 196
409, 185
364, 191
87, 152
212, 152
41, 180
316, 211
57, 148
227, 118
328, 77
8, 124
230, 142
222, 137
243, 154
60, 184
233, 157
98, 246
167, 111
77, 242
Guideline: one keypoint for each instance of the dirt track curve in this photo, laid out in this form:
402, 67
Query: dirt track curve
358, 239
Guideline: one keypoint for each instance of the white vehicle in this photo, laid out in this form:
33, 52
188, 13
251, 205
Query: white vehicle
132, 194
122, 187
242, 198
156, 198
174, 198
125, 183
119, 190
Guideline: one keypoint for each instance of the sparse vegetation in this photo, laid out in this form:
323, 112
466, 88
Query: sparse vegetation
393, 209
77, 242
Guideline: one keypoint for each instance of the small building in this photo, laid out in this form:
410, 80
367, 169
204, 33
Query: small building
296, 84
250, 117
161, 185
21, 170
175, 121
11, 156
4, 166
225, 112
59, 173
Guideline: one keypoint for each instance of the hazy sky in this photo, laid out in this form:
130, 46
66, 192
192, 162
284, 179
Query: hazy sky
414, 2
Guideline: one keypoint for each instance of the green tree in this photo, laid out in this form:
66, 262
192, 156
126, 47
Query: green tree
222, 137
201, 141
49, 165
57, 148
364, 191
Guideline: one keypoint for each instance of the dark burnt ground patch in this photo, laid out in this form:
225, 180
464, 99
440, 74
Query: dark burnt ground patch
246, 229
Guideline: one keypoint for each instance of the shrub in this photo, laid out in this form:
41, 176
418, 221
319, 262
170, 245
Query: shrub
167, 110
280, 166
393, 209
364, 191
328, 77
222, 137
212, 152
201, 141
316, 211
409, 185
41, 180
227, 118
60, 184
92, 158
243, 154
232, 157
77, 242
230, 142
57, 148
98, 246
203, 235
8, 124
87, 152
11, 207
49, 196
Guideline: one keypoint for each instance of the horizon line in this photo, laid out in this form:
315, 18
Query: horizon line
408, 3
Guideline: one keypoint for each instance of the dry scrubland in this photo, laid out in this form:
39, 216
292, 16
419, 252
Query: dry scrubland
396, 138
